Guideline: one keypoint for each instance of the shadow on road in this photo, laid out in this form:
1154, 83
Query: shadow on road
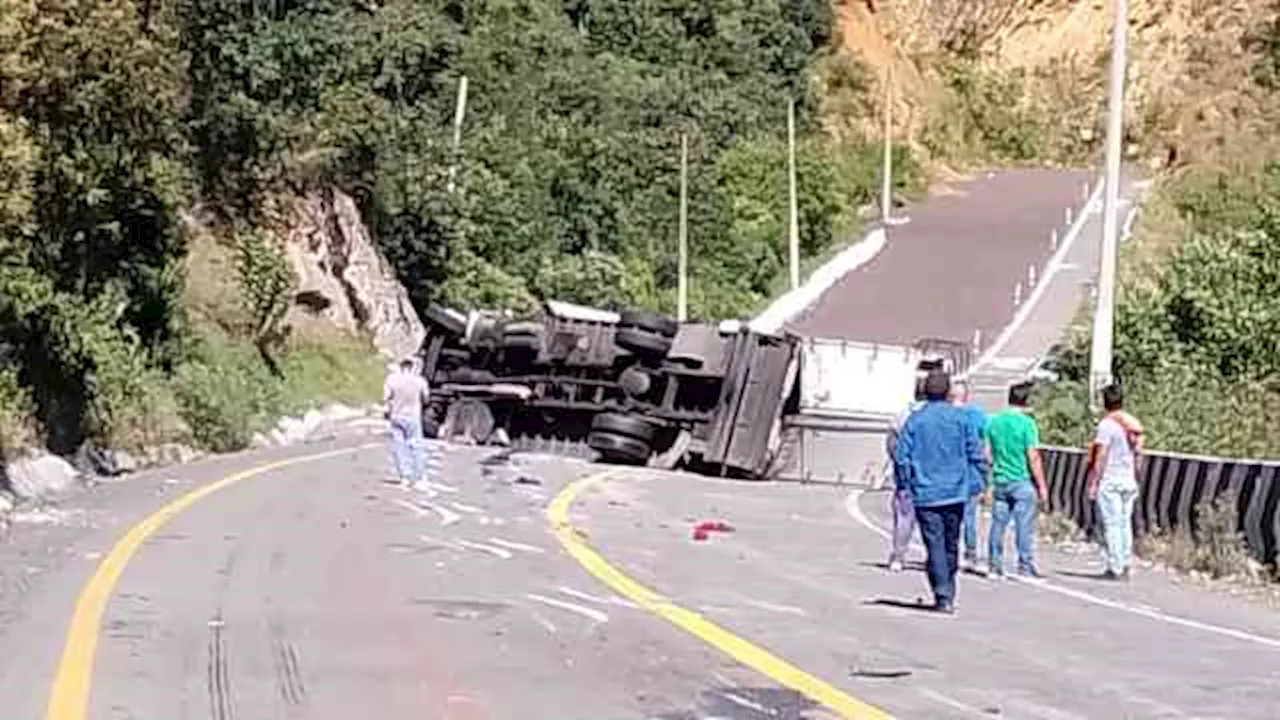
917, 605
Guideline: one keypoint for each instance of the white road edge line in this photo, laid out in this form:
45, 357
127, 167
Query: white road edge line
481, 547
586, 612
853, 506
1051, 268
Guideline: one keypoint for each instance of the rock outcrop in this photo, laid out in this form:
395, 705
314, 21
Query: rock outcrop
343, 279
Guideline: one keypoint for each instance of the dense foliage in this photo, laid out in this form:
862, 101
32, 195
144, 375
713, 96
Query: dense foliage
119, 118
1198, 313
1198, 331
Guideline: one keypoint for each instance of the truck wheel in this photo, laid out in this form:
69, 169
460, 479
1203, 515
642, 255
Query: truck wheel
642, 342
619, 449
631, 426
440, 316
649, 321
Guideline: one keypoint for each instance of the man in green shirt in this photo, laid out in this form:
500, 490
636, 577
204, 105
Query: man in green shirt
1015, 466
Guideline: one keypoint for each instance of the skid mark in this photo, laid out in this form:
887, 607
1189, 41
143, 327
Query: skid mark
217, 676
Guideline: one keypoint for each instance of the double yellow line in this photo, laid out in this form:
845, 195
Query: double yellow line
750, 655
69, 693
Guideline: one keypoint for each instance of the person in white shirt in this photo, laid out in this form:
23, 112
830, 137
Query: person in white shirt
1112, 482
406, 394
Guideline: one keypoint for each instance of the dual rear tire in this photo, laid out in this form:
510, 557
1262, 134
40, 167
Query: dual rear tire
622, 439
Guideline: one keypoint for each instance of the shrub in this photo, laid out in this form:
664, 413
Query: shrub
226, 394
17, 413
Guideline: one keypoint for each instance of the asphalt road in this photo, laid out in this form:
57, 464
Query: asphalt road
953, 268
315, 590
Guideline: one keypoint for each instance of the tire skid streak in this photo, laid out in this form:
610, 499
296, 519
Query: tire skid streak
218, 679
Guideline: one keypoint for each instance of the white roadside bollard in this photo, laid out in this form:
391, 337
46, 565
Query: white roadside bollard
1031, 276
1053, 239
977, 341
1068, 216
1017, 295
1084, 192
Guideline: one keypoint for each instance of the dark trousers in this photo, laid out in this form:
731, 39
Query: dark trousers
940, 528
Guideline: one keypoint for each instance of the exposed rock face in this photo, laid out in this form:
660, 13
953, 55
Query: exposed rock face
343, 279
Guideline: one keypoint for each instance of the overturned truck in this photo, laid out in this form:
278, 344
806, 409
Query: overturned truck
639, 388
633, 387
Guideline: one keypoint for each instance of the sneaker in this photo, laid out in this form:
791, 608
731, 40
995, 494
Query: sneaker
1110, 575
944, 607
1031, 573
895, 566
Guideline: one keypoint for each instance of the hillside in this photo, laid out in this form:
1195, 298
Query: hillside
1023, 81
159, 162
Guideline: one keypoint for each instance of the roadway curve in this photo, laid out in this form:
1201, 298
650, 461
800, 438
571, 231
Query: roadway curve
317, 591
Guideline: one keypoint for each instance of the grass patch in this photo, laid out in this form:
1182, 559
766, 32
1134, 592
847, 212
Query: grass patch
226, 392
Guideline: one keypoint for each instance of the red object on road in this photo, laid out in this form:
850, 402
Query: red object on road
703, 530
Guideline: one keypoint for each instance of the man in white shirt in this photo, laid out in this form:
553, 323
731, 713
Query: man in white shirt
406, 394
1113, 478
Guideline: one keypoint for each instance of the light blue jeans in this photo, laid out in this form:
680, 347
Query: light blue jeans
1115, 505
1016, 500
407, 448
971, 527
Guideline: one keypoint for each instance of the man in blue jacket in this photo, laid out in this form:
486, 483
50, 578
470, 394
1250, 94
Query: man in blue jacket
938, 453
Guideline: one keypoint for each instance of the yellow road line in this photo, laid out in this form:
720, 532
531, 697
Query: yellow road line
69, 694
753, 656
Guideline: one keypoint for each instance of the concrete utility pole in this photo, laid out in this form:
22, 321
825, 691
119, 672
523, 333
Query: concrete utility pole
459, 113
682, 288
1100, 352
793, 236
886, 172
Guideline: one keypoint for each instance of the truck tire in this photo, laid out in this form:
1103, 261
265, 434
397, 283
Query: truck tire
619, 449
649, 321
631, 426
642, 342
439, 316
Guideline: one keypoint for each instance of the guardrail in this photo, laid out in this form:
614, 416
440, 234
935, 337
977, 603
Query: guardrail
1173, 489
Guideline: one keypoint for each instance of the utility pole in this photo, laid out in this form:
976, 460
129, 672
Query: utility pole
682, 291
886, 172
1100, 351
459, 113
793, 236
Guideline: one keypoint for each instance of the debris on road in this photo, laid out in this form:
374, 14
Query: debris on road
702, 531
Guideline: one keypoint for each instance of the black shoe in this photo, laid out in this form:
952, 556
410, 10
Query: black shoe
1030, 572
1110, 575
944, 606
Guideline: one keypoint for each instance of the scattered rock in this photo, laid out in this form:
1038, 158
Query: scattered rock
41, 476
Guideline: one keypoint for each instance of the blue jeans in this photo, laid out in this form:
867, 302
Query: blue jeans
940, 528
1017, 499
1115, 504
406, 448
971, 526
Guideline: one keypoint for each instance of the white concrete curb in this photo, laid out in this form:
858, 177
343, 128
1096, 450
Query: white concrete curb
791, 304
